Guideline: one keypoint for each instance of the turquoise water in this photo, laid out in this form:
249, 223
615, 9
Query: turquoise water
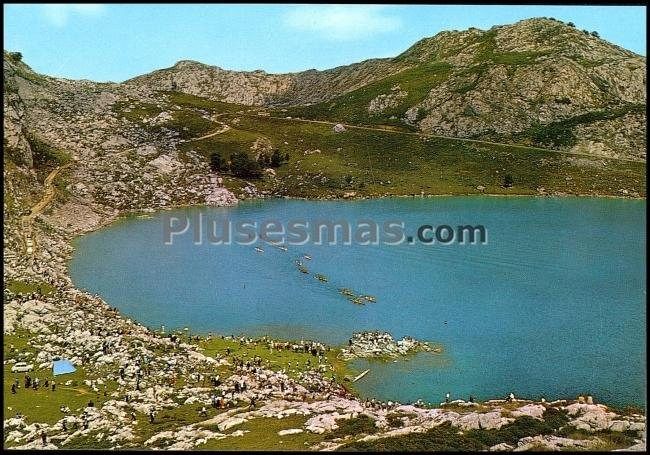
553, 305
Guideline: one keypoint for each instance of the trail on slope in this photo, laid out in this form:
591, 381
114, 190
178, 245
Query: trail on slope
38, 208
476, 141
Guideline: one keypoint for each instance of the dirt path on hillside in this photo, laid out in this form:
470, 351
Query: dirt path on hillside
476, 141
37, 209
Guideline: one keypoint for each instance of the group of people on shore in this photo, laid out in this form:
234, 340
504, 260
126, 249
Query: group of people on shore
33, 384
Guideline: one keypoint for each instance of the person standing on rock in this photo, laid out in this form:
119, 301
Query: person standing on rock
44, 438
447, 397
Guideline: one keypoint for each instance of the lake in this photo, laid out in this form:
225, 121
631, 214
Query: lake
553, 305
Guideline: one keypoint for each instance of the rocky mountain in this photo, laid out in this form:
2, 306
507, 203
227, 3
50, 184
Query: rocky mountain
539, 81
146, 142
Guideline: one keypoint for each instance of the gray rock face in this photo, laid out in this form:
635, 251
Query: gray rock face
500, 82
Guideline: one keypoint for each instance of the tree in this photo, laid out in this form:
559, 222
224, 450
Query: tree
17, 56
264, 159
241, 165
276, 158
571, 24
595, 33
507, 181
216, 162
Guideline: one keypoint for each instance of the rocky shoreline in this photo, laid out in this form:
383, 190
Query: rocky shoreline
132, 366
138, 363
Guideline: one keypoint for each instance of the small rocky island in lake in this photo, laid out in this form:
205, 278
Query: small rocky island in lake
381, 345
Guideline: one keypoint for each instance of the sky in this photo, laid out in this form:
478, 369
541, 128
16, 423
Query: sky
116, 42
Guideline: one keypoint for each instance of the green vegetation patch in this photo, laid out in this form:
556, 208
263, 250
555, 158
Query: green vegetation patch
362, 425
294, 363
380, 163
45, 154
353, 107
262, 434
447, 437
136, 111
25, 287
189, 124
560, 133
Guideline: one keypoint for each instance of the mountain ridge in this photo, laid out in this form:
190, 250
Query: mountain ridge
506, 82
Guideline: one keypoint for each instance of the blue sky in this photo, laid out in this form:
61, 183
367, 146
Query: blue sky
117, 42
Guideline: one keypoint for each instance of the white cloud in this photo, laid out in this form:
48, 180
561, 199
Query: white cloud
341, 22
58, 14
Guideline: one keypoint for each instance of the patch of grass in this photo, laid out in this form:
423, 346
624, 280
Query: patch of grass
446, 437
137, 113
232, 141
379, 163
605, 440
293, 362
89, 441
189, 124
560, 133
25, 287
46, 155
43, 405
362, 425
169, 420
522, 427
352, 107
441, 438
262, 434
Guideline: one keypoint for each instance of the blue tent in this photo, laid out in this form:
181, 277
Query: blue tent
63, 366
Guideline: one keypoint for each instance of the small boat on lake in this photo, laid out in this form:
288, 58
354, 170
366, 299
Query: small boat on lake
347, 292
369, 298
303, 269
282, 248
361, 375
358, 301
308, 257
259, 250
321, 278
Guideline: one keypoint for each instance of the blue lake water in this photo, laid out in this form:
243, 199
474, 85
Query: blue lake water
553, 305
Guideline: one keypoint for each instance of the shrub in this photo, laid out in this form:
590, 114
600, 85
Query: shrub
16, 56
216, 162
277, 159
45, 154
241, 165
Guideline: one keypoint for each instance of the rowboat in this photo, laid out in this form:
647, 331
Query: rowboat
259, 250
346, 292
322, 278
361, 375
